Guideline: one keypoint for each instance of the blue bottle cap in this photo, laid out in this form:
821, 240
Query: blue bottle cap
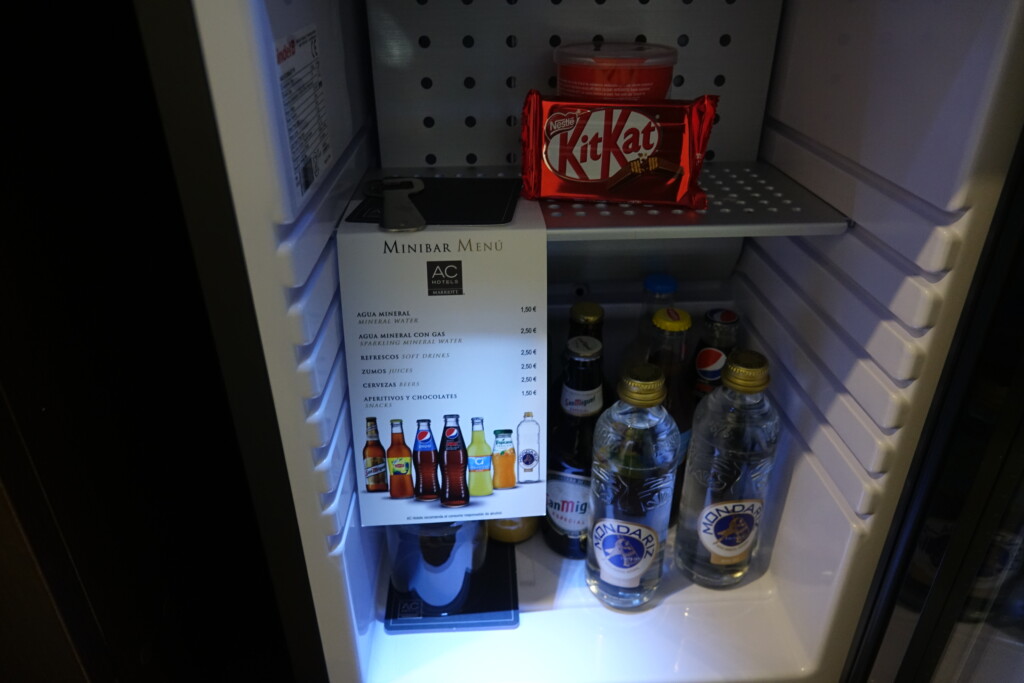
660, 283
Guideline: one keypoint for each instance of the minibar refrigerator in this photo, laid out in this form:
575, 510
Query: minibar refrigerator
869, 274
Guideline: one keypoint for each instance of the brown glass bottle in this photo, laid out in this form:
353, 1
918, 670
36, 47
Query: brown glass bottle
424, 461
374, 464
454, 464
570, 447
399, 463
586, 319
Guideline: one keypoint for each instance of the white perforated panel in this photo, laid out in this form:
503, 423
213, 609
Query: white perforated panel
450, 76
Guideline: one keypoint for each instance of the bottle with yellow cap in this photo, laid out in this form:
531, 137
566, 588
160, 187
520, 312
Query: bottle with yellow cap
636, 455
586, 319
728, 463
670, 327
668, 352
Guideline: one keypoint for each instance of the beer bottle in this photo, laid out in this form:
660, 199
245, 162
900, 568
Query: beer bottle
424, 461
586, 319
373, 459
454, 465
570, 447
399, 463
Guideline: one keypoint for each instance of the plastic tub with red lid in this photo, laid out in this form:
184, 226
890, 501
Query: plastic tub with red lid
624, 72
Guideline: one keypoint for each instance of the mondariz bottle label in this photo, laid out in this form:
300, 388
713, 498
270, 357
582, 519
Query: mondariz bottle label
624, 551
728, 529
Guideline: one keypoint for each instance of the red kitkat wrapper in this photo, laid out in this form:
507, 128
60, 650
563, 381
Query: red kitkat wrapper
648, 152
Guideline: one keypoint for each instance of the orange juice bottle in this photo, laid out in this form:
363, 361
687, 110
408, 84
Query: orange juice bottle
504, 457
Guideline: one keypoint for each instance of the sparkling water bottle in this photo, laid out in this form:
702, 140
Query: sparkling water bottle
731, 453
636, 454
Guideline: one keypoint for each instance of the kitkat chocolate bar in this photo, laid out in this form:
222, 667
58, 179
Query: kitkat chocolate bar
616, 151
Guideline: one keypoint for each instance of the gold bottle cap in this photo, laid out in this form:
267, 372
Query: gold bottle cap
672, 319
586, 312
583, 348
746, 371
642, 386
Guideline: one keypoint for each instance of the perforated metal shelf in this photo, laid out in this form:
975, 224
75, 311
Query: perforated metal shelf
751, 199
744, 200
450, 79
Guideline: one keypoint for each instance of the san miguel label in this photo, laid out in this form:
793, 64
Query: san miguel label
568, 500
582, 403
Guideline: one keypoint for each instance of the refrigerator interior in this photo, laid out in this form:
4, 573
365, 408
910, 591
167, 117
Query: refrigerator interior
899, 117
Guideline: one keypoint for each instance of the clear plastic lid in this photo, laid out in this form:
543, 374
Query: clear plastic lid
615, 54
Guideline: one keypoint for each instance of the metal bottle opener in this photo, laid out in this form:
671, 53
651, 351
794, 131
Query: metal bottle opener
400, 214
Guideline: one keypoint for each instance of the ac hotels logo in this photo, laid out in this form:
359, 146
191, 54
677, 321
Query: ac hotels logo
444, 278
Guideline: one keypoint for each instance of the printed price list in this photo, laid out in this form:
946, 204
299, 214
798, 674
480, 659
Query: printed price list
446, 330
529, 351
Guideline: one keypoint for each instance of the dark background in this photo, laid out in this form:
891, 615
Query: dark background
118, 458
